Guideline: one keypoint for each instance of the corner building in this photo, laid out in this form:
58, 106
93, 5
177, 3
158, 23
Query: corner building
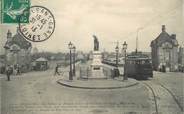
164, 51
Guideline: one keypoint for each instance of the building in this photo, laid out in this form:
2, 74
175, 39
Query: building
17, 51
181, 59
164, 51
41, 64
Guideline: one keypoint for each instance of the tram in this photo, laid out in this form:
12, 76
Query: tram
138, 66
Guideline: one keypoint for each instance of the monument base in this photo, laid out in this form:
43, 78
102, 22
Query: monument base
97, 66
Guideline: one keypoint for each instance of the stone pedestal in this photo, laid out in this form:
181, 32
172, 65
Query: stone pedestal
97, 66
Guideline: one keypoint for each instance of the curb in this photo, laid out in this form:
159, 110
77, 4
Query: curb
79, 87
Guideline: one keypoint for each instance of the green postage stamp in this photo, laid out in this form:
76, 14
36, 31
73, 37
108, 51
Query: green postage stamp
12, 9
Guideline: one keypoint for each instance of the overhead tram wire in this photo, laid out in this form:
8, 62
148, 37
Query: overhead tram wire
156, 18
163, 15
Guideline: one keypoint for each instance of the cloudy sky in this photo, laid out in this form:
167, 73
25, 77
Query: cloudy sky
110, 21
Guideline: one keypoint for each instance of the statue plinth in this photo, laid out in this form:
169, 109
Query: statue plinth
97, 66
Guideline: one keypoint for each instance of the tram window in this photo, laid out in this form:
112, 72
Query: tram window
147, 61
138, 62
143, 62
133, 62
130, 62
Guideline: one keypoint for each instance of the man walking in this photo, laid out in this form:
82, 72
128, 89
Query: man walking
57, 70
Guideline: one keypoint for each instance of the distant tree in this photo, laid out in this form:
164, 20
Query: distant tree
49, 56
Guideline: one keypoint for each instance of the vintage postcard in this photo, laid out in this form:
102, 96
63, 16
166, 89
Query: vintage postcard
91, 57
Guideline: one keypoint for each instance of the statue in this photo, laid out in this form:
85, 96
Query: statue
96, 43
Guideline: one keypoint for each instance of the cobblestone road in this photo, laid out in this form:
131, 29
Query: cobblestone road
39, 93
162, 99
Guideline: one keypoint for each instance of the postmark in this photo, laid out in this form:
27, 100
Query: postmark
41, 24
12, 9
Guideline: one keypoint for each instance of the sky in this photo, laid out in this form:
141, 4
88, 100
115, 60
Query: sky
110, 21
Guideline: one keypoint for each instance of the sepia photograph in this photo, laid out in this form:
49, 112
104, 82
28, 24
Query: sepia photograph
92, 57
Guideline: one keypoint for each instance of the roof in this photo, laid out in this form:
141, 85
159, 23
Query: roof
19, 40
41, 59
164, 37
138, 56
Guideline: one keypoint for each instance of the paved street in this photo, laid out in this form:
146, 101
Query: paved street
175, 84
0, 91
172, 82
167, 90
38, 93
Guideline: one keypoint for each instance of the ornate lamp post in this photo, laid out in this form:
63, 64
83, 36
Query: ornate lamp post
74, 49
117, 55
116, 69
70, 46
124, 48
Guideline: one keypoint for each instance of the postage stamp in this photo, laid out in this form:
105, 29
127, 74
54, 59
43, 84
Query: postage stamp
12, 9
41, 24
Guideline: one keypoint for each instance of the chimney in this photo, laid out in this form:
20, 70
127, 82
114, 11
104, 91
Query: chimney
173, 36
163, 28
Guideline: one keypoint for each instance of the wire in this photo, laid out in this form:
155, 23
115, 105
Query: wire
163, 15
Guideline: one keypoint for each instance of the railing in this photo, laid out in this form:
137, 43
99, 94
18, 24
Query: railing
112, 63
85, 72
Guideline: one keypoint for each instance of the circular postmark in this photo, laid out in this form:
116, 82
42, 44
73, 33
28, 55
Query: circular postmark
40, 26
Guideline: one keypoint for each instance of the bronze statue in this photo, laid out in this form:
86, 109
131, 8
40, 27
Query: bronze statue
96, 43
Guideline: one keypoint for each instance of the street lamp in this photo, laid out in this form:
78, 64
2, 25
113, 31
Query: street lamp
74, 49
116, 68
124, 48
117, 52
70, 46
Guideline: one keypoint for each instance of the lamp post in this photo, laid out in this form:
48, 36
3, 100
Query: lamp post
117, 54
70, 46
74, 49
124, 48
116, 69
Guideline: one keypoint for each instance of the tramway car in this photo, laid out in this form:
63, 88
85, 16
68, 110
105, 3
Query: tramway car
138, 66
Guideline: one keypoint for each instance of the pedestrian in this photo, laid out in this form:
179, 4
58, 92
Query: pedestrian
9, 71
18, 70
163, 68
57, 70
181, 68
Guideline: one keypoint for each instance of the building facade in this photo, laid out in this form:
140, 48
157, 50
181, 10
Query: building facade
164, 51
17, 51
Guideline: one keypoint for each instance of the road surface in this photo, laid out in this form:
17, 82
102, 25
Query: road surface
39, 93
